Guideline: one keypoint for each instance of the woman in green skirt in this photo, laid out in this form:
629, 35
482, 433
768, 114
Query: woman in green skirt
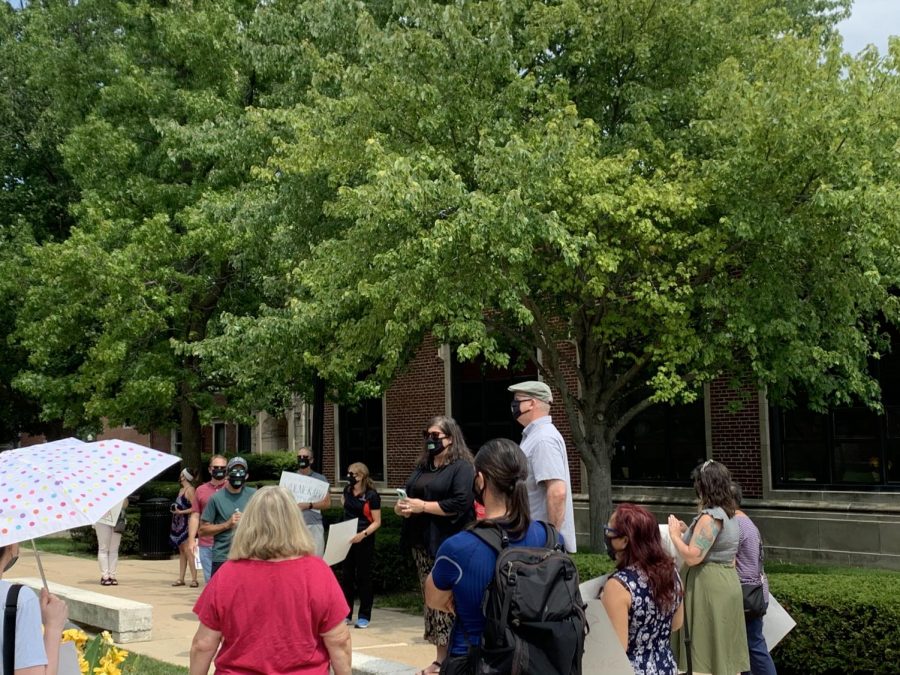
713, 603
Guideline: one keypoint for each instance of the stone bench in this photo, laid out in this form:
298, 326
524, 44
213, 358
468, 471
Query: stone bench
126, 620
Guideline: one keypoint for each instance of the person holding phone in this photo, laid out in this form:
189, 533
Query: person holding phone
436, 503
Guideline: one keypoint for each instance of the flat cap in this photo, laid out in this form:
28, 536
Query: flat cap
236, 461
535, 389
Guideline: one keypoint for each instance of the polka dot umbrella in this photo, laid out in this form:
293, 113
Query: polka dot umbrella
57, 486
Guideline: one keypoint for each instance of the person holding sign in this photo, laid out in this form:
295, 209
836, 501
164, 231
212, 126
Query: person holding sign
312, 511
361, 501
643, 596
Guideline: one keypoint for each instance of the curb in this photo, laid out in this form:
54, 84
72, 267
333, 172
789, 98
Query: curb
363, 664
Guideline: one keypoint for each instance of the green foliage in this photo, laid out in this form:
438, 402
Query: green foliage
84, 539
845, 623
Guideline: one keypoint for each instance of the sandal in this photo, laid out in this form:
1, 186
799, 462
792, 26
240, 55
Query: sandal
194, 584
113, 582
179, 583
105, 582
434, 668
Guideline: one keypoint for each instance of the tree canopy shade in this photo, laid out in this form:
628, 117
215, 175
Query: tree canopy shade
681, 190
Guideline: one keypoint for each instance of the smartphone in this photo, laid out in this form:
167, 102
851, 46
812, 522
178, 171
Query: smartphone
401, 493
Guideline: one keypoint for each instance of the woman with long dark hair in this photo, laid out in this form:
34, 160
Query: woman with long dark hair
465, 564
714, 605
643, 595
439, 504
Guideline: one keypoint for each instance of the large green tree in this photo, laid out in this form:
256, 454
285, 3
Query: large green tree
681, 190
160, 247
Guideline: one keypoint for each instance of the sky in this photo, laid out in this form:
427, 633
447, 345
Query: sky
870, 23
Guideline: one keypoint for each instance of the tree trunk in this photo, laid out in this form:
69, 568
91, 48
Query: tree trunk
597, 461
190, 435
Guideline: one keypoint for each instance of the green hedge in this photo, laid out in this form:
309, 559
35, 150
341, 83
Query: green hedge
848, 621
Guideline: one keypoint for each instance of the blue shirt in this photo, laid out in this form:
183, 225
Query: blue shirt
465, 565
545, 450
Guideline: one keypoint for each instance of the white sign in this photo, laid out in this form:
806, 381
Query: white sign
338, 544
305, 489
603, 653
111, 516
776, 623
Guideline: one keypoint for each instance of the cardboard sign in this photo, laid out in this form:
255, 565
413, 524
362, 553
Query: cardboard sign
338, 544
776, 623
305, 489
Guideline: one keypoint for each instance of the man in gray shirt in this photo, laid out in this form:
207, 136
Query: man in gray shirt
312, 511
549, 485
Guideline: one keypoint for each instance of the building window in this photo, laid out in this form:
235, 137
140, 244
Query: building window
361, 436
481, 399
848, 447
218, 438
661, 446
176, 442
244, 439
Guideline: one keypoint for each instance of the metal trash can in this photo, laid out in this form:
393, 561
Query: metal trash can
156, 522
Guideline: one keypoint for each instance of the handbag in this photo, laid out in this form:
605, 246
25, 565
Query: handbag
121, 521
754, 597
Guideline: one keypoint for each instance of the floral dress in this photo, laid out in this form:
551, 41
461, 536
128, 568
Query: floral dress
649, 629
179, 532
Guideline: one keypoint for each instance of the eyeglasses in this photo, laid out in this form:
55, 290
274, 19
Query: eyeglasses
611, 532
433, 435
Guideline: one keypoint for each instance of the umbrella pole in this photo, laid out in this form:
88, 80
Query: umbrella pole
37, 556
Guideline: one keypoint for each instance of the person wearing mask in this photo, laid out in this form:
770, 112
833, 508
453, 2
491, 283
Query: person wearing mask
223, 512
713, 602
440, 504
465, 564
362, 502
36, 650
312, 511
202, 546
275, 607
749, 564
549, 483
178, 533
643, 596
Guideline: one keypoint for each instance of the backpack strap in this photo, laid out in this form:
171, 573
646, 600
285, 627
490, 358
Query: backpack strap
492, 535
9, 629
552, 536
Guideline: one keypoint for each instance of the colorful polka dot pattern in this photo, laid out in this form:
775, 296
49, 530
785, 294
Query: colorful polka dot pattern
57, 486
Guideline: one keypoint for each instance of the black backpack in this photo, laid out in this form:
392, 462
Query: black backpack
534, 614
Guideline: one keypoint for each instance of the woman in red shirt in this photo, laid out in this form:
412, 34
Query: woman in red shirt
274, 607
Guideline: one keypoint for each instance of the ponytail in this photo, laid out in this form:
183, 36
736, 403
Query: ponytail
502, 464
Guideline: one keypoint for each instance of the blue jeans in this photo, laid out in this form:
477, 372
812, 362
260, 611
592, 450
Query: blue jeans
206, 561
760, 659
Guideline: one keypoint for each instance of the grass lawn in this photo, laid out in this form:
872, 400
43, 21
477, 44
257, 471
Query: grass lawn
62, 544
137, 664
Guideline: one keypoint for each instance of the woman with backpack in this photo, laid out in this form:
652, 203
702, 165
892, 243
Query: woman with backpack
464, 567
643, 596
438, 505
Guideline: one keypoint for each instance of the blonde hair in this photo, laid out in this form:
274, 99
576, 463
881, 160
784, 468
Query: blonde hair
271, 528
366, 481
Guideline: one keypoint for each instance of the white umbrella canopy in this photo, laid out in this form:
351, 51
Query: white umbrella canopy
57, 486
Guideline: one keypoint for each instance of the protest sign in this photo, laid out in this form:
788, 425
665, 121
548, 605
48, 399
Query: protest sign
305, 489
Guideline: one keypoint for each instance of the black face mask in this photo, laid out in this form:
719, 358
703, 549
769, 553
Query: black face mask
434, 447
237, 478
217, 472
303, 462
479, 494
515, 408
610, 551
351, 479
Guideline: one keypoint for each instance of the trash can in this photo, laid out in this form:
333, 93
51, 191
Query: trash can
156, 521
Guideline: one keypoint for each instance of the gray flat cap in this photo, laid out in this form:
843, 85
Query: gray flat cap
535, 389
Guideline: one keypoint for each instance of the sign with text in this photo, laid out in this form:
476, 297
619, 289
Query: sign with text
303, 488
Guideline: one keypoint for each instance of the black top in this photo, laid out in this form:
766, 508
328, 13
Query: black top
361, 507
451, 487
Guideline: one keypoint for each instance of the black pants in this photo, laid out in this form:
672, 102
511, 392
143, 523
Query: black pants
356, 576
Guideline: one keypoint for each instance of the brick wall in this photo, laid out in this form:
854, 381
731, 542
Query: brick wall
569, 366
413, 398
734, 425
327, 461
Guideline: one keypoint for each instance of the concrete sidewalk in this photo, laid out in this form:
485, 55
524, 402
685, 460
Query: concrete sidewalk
392, 644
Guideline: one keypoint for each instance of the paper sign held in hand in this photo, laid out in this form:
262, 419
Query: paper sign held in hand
305, 489
338, 544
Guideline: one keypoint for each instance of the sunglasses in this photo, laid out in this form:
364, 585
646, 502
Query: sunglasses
611, 532
433, 436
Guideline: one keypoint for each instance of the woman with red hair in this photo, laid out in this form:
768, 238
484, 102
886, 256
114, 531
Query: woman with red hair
643, 596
